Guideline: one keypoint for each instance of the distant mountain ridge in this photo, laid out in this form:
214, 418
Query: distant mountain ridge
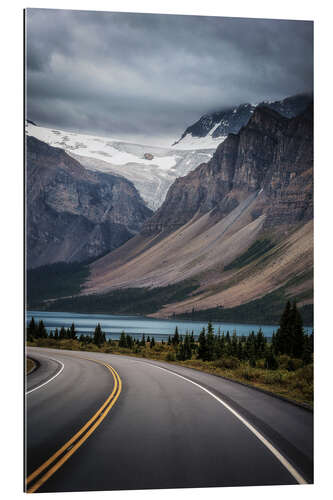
213, 128
74, 214
240, 226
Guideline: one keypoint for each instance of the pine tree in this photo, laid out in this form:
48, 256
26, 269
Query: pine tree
297, 332
122, 340
188, 347
234, 344
210, 343
283, 334
175, 338
129, 341
56, 334
73, 332
307, 350
99, 336
41, 331
152, 342
202, 350
31, 330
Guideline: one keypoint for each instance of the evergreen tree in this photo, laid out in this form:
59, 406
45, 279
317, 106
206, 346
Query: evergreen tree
122, 340
152, 342
148, 339
99, 336
202, 350
188, 346
31, 330
192, 340
143, 340
56, 334
169, 340
129, 341
307, 350
73, 332
210, 343
289, 338
175, 338
260, 343
297, 332
41, 331
234, 344
283, 334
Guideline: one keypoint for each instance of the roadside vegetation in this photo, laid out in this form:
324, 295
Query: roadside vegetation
283, 366
30, 365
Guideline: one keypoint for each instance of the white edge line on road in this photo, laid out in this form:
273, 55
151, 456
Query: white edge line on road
261, 438
49, 380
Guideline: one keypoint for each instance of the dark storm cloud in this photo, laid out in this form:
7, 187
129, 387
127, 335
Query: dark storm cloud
152, 75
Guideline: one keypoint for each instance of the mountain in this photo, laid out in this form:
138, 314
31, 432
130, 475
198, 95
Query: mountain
151, 169
213, 128
74, 214
239, 227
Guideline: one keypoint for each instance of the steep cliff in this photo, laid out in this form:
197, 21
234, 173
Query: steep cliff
271, 154
239, 227
73, 214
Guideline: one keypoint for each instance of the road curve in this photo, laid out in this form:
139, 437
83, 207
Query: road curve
169, 427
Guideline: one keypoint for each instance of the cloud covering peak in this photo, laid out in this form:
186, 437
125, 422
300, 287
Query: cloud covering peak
151, 75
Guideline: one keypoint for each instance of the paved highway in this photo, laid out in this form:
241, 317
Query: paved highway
103, 422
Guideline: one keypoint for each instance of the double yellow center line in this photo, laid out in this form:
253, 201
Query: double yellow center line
71, 446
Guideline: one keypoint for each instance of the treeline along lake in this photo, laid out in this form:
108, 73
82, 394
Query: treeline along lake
135, 326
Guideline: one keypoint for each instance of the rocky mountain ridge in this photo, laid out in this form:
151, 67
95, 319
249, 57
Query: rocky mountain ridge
271, 154
239, 226
74, 214
213, 128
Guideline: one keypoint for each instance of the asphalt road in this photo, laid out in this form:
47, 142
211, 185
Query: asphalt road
155, 428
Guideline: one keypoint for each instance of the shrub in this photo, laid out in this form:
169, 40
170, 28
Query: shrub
170, 356
229, 363
248, 373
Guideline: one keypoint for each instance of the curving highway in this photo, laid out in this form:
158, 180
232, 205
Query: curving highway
107, 422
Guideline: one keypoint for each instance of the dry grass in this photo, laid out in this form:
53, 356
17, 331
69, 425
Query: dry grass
30, 365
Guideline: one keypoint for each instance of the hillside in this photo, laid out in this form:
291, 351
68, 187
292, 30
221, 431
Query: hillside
72, 214
240, 226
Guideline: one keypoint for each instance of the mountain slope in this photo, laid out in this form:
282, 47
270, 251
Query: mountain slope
151, 169
213, 128
240, 226
73, 214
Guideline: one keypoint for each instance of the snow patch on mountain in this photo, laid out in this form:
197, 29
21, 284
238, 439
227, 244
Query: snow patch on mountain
152, 177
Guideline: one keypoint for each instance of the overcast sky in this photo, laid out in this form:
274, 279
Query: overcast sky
148, 76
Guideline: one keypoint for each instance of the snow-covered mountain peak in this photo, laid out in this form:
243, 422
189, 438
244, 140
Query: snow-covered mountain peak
152, 169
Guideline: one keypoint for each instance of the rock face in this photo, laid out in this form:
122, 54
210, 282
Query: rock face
239, 226
272, 155
231, 120
74, 214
